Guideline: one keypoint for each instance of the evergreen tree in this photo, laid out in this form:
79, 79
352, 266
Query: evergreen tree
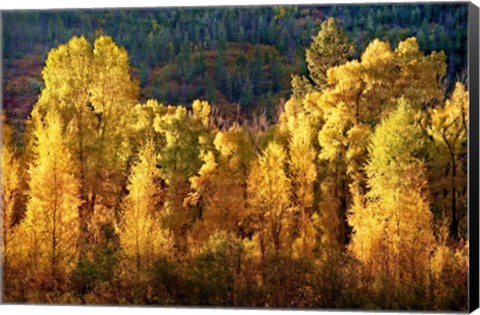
329, 48
221, 73
182, 134
246, 96
301, 86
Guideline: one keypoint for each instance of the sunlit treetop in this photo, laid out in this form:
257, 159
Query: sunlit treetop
201, 110
395, 146
451, 121
370, 85
235, 148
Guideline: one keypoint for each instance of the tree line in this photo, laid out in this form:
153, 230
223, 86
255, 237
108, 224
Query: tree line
353, 196
238, 55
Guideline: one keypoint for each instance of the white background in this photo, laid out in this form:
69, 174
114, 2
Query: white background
74, 310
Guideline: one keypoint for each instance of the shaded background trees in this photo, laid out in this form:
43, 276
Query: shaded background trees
217, 53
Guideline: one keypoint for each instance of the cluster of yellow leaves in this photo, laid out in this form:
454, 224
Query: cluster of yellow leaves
348, 152
393, 231
10, 190
449, 128
219, 188
449, 124
142, 237
49, 233
93, 92
269, 192
303, 173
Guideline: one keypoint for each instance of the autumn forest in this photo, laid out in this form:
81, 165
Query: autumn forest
326, 171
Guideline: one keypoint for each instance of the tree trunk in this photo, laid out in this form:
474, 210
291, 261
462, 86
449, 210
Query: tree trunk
454, 222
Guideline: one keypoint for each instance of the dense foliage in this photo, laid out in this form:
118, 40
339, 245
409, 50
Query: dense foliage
228, 56
352, 194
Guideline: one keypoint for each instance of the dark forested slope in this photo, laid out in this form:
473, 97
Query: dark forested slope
226, 55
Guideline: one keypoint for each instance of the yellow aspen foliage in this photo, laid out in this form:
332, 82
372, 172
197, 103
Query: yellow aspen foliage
201, 184
419, 73
357, 137
49, 232
220, 186
11, 190
450, 270
312, 108
346, 85
142, 237
302, 159
332, 156
235, 150
449, 128
67, 75
269, 191
291, 108
201, 110
353, 195
393, 232
359, 93
145, 114
303, 173
370, 85
235, 153
307, 106
331, 137
113, 94
93, 92
112, 87
207, 169
327, 220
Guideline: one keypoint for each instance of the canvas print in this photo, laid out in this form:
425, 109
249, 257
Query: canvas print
297, 156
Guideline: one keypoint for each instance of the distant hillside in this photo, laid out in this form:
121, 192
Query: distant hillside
227, 55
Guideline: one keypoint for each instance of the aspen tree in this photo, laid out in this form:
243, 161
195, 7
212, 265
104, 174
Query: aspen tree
359, 94
142, 237
11, 191
393, 233
269, 191
449, 129
50, 229
220, 185
303, 173
93, 92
